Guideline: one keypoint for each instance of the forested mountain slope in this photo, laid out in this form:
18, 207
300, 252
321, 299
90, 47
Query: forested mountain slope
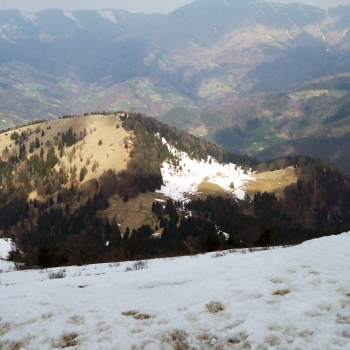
96, 187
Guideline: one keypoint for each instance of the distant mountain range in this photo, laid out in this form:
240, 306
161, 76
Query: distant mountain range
313, 120
207, 52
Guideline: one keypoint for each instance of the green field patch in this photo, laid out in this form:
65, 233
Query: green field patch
215, 87
305, 95
29, 87
199, 132
338, 93
263, 140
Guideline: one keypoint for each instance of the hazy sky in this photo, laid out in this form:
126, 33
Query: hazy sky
146, 6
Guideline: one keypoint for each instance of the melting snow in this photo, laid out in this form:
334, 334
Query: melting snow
178, 184
293, 298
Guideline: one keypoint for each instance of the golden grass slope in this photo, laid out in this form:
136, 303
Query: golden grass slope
111, 154
272, 181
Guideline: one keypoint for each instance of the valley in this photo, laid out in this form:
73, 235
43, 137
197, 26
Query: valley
269, 125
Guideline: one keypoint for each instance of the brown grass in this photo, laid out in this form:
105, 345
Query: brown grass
68, 340
110, 155
140, 208
272, 181
137, 315
214, 307
281, 292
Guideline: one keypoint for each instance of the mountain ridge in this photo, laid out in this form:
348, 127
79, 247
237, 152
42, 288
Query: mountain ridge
145, 188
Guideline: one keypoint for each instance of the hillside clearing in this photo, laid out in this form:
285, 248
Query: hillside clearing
271, 181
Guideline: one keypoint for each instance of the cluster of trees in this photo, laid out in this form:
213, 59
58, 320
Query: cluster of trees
63, 235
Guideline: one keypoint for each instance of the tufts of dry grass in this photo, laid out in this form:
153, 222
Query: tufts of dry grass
68, 340
214, 307
137, 315
281, 292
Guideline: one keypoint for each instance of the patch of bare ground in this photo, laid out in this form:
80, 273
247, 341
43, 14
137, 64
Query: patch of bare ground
134, 213
281, 292
206, 188
137, 315
8, 345
214, 307
177, 339
67, 340
4, 328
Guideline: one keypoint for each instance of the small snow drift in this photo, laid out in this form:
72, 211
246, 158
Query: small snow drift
182, 180
6, 245
293, 298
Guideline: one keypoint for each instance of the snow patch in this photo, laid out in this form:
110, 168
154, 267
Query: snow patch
29, 16
183, 180
72, 17
228, 5
6, 245
108, 15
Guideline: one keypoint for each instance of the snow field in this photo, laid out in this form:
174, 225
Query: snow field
292, 298
181, 183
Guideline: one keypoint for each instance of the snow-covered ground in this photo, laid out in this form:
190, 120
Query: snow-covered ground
6, 246
178, 184
292, 298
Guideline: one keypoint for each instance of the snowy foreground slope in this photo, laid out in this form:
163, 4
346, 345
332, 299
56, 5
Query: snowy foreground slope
293, 298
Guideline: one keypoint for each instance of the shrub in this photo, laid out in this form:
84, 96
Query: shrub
218, 254
100, 142
59, 274
138, 265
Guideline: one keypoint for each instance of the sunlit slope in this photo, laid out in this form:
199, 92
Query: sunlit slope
290, 298
102, 144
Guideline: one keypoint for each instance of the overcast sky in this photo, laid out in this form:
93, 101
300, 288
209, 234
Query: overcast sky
146, 6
